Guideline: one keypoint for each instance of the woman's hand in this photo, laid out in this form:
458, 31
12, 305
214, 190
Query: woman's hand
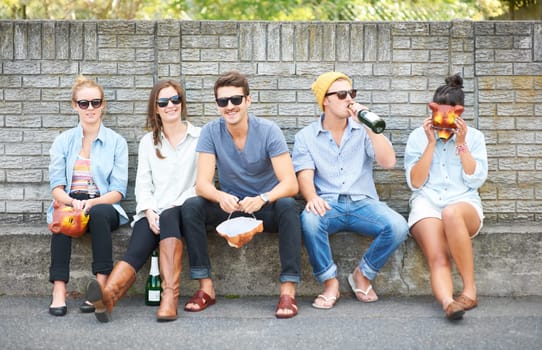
460, 131
83, 205
429, 131
154, 221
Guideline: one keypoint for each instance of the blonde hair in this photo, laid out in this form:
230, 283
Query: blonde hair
84, 82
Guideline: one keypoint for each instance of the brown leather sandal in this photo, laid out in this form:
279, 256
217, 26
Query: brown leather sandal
202, 299
288, 303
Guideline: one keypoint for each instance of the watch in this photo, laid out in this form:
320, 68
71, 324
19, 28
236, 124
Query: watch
264, 197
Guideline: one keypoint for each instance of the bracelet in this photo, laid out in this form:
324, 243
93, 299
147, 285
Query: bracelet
460, 148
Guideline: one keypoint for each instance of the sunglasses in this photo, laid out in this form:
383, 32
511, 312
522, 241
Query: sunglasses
236, 100
342, 93
96, 103
164, 101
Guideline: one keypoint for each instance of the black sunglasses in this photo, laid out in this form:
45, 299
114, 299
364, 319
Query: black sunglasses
342, 93
236, 100
96, 103
164, 101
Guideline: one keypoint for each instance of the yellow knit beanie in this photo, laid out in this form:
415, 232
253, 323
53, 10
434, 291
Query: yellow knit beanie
322, 84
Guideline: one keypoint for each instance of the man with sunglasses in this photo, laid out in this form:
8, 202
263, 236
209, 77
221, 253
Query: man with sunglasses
333, 158
256, 178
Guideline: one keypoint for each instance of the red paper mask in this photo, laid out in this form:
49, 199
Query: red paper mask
68, 221
444, 119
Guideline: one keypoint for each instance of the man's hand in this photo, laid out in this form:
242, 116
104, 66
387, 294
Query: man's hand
229, 203
317, 206
250, 205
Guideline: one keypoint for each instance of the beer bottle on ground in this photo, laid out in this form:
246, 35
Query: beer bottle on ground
153, 287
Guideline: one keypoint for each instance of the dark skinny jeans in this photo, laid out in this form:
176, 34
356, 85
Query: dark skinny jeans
143, 241
104, 219
281, 216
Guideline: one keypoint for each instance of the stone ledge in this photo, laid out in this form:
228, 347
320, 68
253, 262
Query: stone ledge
508, 260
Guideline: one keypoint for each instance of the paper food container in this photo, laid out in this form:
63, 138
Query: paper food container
240, 230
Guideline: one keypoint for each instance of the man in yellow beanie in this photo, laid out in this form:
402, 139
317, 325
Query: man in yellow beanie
333, 158
322, 84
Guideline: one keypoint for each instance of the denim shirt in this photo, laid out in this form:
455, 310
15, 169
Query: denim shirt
109, 163
338, 170
447, 183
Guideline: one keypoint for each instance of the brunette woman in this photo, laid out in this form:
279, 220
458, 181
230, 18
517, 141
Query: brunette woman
166, 175
444, 169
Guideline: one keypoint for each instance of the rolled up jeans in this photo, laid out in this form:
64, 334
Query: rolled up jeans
281, 216
368, 217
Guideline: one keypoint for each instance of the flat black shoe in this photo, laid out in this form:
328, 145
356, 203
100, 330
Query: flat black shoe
58, 311
94, 295
86, 308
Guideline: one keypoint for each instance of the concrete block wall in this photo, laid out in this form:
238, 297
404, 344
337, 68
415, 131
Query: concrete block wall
395, 66
507, 260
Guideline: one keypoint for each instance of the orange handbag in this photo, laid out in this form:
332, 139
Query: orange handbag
69, 221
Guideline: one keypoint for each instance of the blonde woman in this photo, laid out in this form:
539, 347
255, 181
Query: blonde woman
88, 170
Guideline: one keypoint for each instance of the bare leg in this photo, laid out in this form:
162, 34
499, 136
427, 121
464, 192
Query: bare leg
364, 284
59, 294
331, 290
461, 222
429, 234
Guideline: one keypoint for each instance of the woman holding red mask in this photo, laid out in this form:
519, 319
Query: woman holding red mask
445, 207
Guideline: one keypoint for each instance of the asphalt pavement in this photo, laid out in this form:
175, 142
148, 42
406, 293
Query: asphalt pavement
249, 323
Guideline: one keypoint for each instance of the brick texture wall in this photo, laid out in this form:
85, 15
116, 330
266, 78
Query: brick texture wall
395, 65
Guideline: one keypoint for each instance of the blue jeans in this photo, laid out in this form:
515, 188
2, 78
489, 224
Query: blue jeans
368, 217
281, 216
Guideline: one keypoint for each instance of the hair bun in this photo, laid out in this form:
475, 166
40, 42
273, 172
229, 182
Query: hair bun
454, 81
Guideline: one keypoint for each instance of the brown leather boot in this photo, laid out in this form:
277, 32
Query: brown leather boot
104, 298
170, 271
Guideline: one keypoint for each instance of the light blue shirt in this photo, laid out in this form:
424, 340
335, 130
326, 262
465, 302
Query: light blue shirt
338, 170
247, 172
108, 159
447, 183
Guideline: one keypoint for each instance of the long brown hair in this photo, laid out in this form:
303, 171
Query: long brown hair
154, 122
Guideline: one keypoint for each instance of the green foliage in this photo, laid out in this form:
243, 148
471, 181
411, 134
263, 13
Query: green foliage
272, 10
85, 9
349, 10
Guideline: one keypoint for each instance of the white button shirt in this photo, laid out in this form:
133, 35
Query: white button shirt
164, 183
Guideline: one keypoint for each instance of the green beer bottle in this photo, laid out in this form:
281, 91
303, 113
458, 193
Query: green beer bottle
153, 287
372, 120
